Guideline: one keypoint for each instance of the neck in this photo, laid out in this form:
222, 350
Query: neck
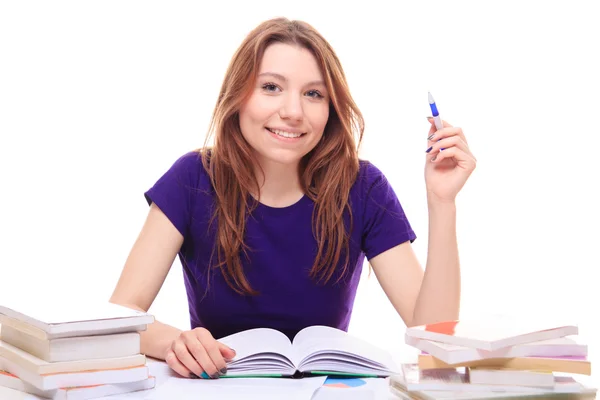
279, 184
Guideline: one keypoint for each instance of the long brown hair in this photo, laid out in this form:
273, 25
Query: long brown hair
326, 173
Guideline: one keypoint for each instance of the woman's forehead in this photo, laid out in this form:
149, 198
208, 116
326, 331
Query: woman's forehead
290, 63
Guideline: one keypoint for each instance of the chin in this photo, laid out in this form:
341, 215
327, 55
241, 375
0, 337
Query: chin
286, 157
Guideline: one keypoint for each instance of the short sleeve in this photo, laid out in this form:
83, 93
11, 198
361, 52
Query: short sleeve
385, 223
173, 192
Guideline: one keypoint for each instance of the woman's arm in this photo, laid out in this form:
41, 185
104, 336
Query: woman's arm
439, 297
143, 275
434, 295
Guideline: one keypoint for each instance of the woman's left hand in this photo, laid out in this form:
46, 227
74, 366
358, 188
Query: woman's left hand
446, 171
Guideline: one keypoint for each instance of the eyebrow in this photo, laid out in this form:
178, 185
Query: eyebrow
283, 78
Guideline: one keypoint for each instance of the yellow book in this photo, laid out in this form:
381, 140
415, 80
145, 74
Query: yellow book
510, 376
572, 365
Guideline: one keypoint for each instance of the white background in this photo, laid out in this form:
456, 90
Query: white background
97, 99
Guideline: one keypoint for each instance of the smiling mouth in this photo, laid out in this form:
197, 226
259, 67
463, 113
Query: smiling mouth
285, 134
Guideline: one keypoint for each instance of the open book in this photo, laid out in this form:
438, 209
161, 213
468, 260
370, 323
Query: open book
315, 350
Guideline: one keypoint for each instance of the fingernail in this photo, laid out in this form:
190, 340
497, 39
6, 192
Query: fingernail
193, 376
434, 157
431, 137
428, 150
223, 370
205, 375
428, 118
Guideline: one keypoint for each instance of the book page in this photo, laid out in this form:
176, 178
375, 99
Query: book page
315, 339
239, 388
257, 341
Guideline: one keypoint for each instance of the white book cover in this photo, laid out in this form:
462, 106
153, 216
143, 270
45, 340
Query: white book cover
454, 354
74, 348
75, 379
21, 389
35, 332
587, 393
178, 388
56, 317
502, 376
494, 332
38, 366
451, 379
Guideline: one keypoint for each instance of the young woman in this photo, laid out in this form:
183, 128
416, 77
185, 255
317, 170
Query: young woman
272, 223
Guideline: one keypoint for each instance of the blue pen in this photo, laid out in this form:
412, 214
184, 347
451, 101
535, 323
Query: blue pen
434, 112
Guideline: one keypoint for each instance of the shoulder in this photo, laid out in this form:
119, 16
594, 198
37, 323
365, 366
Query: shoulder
185, 174
176, 191
369, 176
383, 221
189, 162
189, 168
371, 188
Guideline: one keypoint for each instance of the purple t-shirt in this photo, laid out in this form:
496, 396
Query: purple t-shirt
283, 252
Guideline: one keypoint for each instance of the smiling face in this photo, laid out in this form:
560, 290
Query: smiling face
285, 116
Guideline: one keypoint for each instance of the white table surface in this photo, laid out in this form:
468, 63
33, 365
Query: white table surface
162, 372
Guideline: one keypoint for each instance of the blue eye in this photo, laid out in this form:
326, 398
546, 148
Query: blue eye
315, 94
270, 87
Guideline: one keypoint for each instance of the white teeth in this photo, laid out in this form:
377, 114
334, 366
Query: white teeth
285, 134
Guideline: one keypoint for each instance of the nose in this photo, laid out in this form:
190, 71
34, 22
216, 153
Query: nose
291, 109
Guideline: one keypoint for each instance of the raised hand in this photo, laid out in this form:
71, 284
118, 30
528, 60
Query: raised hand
447, 170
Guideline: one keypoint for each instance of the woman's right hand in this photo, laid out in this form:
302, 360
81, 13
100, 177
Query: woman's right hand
196, 354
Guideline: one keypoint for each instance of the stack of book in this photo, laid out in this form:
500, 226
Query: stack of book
65, 354
497, 358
